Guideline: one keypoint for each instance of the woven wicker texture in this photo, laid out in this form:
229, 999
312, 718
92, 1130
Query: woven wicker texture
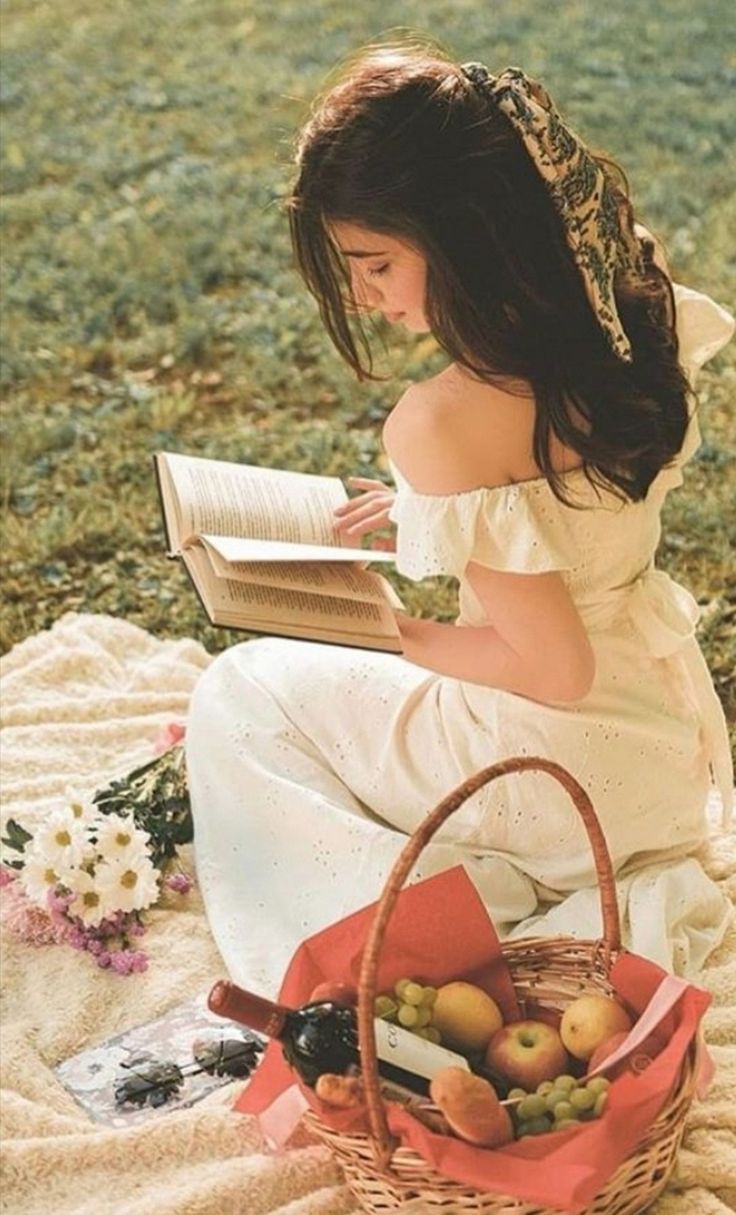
549, 972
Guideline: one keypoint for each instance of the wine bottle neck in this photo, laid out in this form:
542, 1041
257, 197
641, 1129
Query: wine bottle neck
229, 1000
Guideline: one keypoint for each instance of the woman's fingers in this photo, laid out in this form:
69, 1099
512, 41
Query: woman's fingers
367, 483
356, 510
372, 495
368, 521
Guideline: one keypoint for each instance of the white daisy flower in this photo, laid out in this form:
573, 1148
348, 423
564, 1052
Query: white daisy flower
118, 839
128, 885
84, 812
61, 841
37, 877
90, 903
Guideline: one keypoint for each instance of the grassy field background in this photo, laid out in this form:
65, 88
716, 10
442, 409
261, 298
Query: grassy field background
149, 297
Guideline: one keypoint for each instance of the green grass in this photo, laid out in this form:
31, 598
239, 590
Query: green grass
150, 301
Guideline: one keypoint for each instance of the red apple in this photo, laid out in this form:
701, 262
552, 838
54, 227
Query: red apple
332, 991
605, 1049
636, 1061
527, 1052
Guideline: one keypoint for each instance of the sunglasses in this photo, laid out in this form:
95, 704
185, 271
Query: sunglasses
153, 1082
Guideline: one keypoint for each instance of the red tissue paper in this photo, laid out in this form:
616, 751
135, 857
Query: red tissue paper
440, 931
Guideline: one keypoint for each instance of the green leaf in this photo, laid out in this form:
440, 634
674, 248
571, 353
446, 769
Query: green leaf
17, 836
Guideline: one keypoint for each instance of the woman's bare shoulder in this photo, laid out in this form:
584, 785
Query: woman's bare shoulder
454, 433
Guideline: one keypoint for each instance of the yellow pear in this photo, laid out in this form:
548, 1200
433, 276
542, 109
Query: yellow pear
591, 1020
466, 1016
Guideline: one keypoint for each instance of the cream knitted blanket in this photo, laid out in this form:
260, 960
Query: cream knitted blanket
81, 704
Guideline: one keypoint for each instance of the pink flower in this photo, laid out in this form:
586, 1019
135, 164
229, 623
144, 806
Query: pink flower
179, 882
135, 928
28, 922
58, 905
120, 962
168, 736
138, 961
7, 875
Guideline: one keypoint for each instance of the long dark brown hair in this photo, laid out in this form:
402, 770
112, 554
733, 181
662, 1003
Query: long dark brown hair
401, 143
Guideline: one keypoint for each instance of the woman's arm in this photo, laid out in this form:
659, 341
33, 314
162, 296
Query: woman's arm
537, 646
535, 643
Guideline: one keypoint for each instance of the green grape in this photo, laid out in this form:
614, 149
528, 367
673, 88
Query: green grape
408, 1017
424, 1016
399, 987
600, 1104
429, 996
566, 1082
517, 1092
532, 1107
555, 1097
545, 1087
412, 993
522, 1129
598, 1084
564, 1124
385, 1006
537, 1126
425, 1031
580, 1098
563, 1111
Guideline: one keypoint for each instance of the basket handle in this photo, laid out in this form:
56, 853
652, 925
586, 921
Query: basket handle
383, 1143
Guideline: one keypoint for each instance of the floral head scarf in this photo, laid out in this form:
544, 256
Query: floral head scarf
595, 214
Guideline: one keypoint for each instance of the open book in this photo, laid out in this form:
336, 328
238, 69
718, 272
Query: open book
261, 548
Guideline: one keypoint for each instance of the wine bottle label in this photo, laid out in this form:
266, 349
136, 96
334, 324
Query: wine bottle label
397, 1046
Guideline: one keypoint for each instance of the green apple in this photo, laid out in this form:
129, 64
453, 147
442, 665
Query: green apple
526, 1052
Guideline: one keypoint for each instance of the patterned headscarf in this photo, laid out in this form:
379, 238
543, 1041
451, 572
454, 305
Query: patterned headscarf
593, 211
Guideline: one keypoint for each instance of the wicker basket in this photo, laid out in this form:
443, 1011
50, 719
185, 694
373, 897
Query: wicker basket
548, 971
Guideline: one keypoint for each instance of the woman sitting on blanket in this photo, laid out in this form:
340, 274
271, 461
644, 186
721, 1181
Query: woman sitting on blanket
533, 468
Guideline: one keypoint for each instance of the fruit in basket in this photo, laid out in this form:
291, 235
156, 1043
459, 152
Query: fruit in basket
601, 1053
526, 1053
589, 1021
471, 1106
558, 1105
409, 1005
465, 1015
332, 991
637, 1061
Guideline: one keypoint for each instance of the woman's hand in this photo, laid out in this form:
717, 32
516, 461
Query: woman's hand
368, 512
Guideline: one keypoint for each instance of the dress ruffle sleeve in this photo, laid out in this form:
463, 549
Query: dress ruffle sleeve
509, 527
703, 328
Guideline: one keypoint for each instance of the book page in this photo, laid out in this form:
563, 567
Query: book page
234, 549
225, 499
243, 604
300, 607
339, 578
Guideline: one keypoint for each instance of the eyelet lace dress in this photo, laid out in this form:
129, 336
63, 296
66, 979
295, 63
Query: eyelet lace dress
309, 763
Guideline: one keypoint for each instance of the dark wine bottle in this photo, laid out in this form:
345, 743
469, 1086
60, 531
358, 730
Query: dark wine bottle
323, 1037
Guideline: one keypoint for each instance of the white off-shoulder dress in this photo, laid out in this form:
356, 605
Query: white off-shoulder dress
310, 763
